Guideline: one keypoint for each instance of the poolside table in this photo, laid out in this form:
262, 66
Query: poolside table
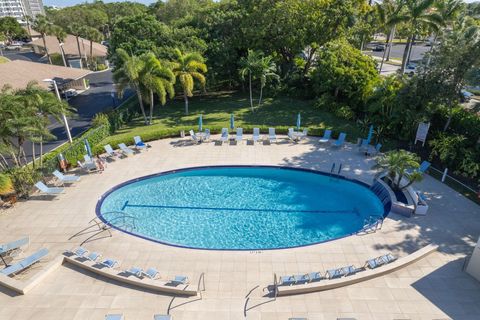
201, 135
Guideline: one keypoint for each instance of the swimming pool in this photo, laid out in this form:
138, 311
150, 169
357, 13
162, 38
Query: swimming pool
240, 207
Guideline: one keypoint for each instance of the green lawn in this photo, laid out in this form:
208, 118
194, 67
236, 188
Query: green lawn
279, 112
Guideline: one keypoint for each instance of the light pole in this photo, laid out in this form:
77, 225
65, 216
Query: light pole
65, 122
63, 53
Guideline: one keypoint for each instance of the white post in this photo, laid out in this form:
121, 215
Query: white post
65, 122
63, 54
444, 174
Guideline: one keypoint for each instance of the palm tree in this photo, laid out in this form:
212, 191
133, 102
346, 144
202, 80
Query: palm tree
93, 35
127, 74
398, 164
42, 26
418, 14
187, 67
61, 35
386, 11
157, 78
249, 65
76, 30
266, 69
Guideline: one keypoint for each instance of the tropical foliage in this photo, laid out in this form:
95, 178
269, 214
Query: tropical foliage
401, 168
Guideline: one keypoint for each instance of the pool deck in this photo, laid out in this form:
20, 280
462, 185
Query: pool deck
432, 288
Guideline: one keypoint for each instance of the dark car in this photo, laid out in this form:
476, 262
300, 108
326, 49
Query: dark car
379, 47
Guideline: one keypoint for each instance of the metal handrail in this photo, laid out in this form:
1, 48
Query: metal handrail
201, 280
275, 286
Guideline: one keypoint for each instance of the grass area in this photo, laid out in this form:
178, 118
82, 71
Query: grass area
3, 59
279, 112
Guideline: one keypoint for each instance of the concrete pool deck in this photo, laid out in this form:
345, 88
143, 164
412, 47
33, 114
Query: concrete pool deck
432, 288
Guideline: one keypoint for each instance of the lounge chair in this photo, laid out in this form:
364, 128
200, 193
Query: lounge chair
340, 141
126, 150
25, 263
326, 136
350, 270
79, 252
110, 152
364, 145
135, 271
335, 273
162, 317
114, 317
65, 179
380, 261
256, 135
388, 258
375, 151
424, 166
303, 134
151, 273
48, 190
194, 136
271, 135
224, 136
239, 136
286, 280
301, 278
291, 134
207, 135
110, 263
139, 144
12, 249
93, 256
314, 276
179, 280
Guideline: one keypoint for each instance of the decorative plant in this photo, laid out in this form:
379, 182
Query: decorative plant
399, 164
6, 185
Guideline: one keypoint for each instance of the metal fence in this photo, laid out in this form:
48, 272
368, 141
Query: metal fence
467, 191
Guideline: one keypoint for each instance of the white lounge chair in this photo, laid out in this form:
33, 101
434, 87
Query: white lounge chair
303, 134
239, 136
152, 273
194, 136
326, 136
13, 249
291, 134
271, 135
25, 263
256, 135
110, 152
139, 144
48, 190
224, 135
207, 135
126, 150
65, 179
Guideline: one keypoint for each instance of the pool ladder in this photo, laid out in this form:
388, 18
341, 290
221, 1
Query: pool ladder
332, 170
371, 224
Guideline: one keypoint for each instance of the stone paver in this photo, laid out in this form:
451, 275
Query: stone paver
433, 288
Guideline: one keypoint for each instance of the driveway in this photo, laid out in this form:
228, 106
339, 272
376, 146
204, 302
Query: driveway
418, 51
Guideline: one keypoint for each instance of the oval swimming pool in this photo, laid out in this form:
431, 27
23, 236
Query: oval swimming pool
240, 207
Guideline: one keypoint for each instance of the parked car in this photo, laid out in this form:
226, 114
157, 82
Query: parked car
466, 95
378, 47
410, 69
70, 93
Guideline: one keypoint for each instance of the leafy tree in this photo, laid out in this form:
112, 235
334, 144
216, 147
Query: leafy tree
387, 12
93, 35
175, 12
345, 73
129, 74
60, 34
187, 67
448, 148
76, 30
156, 78
42, 26
399, 164
266, 70
11, 29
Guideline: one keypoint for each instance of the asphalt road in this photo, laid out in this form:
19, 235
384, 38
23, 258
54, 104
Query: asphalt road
397, 51
97, 99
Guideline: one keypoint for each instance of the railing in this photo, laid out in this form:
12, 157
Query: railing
371, 224
201, 280
455, 184
125, 219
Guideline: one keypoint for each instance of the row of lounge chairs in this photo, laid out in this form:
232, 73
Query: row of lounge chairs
335, 273
150, 273
12, 250
121, 317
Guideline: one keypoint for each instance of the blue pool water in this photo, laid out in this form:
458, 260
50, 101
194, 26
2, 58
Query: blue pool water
240, 208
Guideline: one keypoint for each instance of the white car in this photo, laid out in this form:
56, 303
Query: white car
410, 69
466, 95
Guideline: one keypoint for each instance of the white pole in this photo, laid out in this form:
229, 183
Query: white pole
65, 122
444, 174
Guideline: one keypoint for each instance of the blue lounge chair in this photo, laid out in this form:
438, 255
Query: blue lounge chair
380, 261
93, 256
110, 263
135, 271
271, 135
12, 249
340, 141
114, 317
65, 179
256, 135
326, 136
423, 167
126, 150
194, 136
224, 135
162, 317
207, 135
337, 273
25, 263
301, 278
239, 136
387, 258
179, 280
350, 270
79, 252
314, 276
139, 144
48, 190
286, 280
151, 273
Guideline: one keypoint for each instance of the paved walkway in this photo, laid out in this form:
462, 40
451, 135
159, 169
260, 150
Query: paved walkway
433, 288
